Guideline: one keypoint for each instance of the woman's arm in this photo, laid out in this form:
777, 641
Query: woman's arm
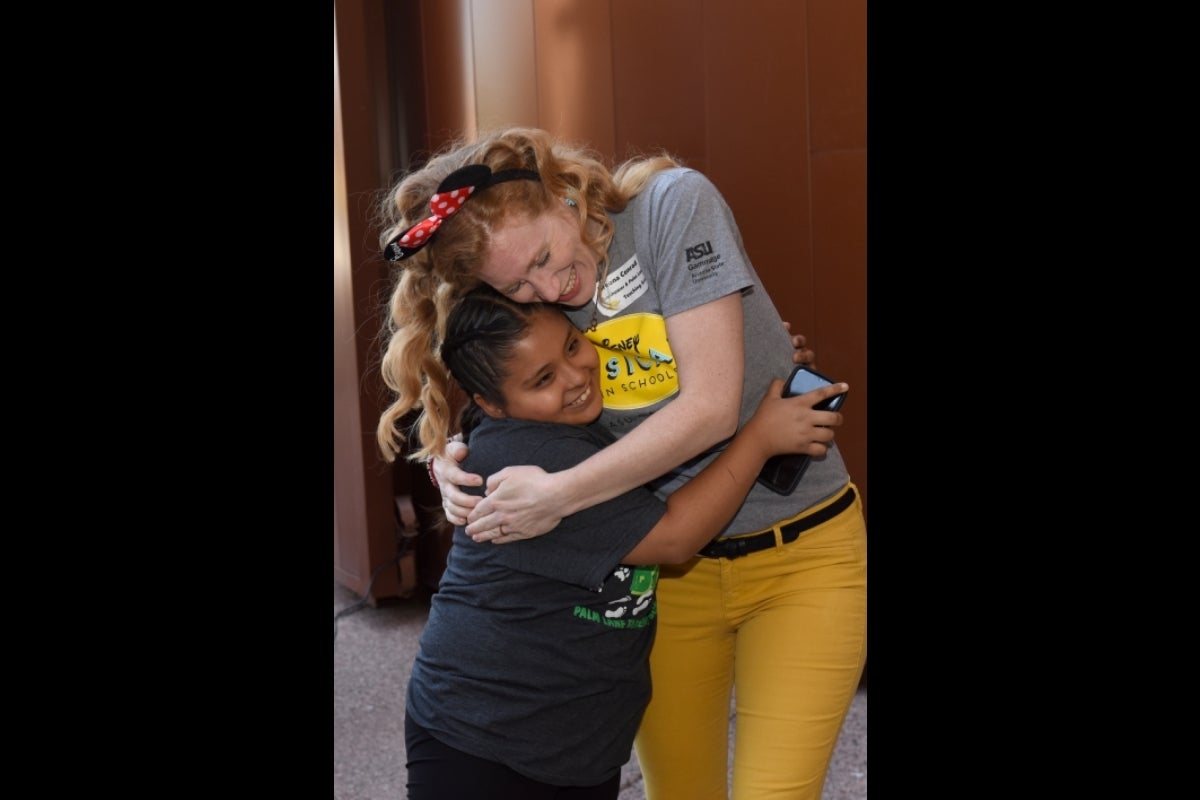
527, 501
449, 478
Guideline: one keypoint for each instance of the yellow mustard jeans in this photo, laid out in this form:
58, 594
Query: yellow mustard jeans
782, 631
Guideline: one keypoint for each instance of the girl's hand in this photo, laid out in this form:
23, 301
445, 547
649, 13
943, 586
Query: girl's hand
791, 424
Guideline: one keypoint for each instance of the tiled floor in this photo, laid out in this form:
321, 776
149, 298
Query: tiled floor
373, 651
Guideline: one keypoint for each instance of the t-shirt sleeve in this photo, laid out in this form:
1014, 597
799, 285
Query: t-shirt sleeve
696, 246
586, 546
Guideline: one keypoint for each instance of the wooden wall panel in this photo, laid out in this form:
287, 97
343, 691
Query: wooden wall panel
364, 530
840, 291
575, 72
658, 79
504, 63
837, 77
349, 557
446, 33
838, 74
758, 141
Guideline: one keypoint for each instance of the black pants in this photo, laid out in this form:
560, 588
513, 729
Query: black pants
438, 772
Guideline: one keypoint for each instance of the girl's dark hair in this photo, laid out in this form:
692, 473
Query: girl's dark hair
482, 331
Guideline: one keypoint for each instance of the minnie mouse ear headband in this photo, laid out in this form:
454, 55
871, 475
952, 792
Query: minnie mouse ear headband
449, 198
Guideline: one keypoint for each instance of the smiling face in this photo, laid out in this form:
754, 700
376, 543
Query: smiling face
552, 375
543, 258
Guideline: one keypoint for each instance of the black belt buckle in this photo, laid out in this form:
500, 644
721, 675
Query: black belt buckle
742, 546
733, 548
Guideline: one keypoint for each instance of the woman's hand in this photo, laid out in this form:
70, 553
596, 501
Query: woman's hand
521, 503
448, 477
803, 354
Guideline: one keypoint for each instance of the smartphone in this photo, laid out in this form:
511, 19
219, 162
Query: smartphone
783, 472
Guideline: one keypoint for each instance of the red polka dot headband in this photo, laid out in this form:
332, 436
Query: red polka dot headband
449, 198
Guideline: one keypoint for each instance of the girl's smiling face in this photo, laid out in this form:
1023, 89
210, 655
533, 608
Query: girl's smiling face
553, 374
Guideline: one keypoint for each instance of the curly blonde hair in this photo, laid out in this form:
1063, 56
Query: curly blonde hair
432, 280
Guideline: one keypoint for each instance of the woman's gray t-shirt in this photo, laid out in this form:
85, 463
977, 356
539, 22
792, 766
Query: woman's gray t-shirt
677, 246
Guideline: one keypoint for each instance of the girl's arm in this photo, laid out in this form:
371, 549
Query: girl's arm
527, 502
698, 510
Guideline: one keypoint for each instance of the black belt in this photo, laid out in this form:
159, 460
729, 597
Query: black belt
745, 545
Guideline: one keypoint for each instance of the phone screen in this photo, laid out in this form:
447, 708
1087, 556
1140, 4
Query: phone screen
805, 380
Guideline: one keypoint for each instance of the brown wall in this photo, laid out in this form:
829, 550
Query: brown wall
364, 533
767, 97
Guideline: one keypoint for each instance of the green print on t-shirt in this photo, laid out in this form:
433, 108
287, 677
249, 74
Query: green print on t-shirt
590, 614
634, 610
645, 578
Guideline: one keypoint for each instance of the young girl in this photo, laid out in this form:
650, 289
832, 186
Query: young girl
533, 670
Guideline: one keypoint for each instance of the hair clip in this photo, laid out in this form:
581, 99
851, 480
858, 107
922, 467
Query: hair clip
448, 199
